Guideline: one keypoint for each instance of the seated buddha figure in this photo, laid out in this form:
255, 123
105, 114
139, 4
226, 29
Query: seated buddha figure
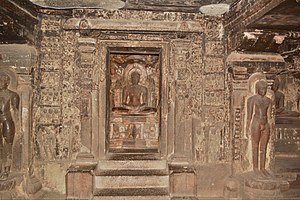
283, 113
135, 97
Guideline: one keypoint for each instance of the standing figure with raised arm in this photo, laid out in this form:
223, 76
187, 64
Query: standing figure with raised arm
9, 101
258, 112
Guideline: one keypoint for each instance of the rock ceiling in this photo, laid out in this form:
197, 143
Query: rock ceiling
171, 5
285, 16
18, 17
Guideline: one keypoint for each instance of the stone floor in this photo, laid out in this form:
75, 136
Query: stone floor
48, 194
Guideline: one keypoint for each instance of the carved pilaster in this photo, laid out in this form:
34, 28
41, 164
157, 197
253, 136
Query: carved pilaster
86, 63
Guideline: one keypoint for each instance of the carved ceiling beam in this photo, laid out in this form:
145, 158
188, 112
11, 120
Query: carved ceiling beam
121, 25
241, 65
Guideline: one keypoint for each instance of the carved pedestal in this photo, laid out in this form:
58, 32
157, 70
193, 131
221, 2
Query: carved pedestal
258, 186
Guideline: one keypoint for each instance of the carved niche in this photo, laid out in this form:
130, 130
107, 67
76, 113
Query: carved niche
16, 148
134, 101
243, 66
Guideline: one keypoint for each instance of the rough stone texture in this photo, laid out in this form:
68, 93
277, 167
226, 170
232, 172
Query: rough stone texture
134, 198
210, 181
126, 185
183, 184
84, 189
57, 131
195, 141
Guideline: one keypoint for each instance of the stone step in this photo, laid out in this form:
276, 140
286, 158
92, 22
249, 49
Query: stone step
132, 198
131, 167
131, 185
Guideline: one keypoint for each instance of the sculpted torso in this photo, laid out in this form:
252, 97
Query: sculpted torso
135, 95
7, 98
260, 106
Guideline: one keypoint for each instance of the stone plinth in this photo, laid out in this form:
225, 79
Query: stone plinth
182, 180
258, 185
131, 185
79, 180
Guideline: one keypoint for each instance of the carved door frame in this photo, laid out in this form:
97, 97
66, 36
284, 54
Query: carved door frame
99, 139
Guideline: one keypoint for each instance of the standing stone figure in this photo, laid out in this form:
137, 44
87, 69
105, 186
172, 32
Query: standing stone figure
9, 101
258, 110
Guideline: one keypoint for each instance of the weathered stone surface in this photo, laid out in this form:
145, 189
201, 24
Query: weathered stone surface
211, 179
183, 184
145, 101
257, 185
79, 185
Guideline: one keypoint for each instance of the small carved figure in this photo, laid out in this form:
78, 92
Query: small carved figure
132, 131
48, 144
116, 84
9, 100
258, 111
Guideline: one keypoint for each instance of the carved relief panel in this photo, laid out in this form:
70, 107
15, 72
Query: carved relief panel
134, 101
